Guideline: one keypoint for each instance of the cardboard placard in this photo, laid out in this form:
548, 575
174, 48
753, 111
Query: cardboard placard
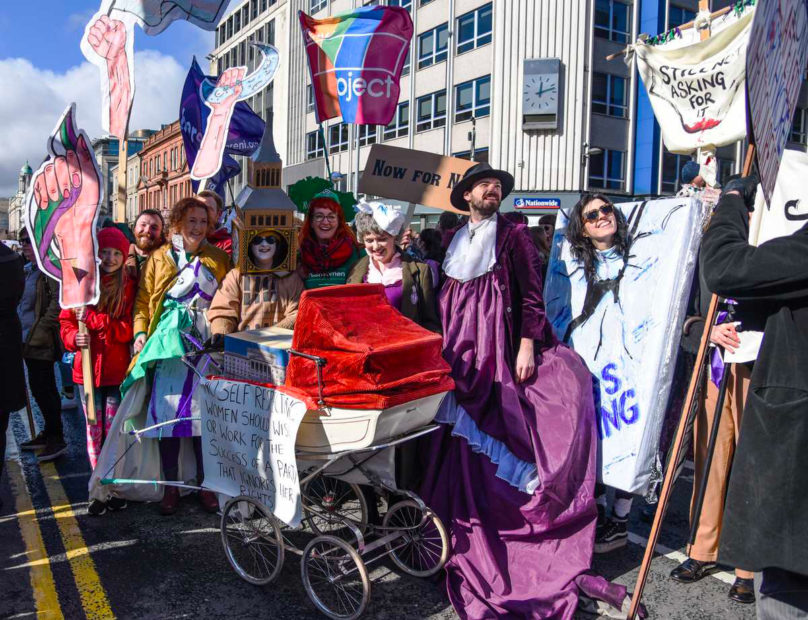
775, 66
248, 444
413, 176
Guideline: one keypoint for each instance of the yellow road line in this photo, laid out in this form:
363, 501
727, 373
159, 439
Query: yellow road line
42, 584
93, 597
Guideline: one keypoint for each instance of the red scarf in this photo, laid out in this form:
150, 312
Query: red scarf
320, 258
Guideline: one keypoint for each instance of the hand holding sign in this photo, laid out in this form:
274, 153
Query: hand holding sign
62, 208
210, 152
231, 87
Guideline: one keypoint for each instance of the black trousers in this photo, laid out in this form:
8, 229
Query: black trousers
42, 379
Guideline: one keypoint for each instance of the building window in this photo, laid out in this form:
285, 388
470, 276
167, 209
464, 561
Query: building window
254, 9
405, 70
229, 27
431, 111
263, 5
367, 134
245, 15
423, 2
271, 32
671, 171
433, 46
338, 138
474, 29
314, 145
404, 4
613, 20
678, 15
606, 170
317, 5
473, 98
799, 130
309, 98
480, 155
236, 22
609, 95
400, 125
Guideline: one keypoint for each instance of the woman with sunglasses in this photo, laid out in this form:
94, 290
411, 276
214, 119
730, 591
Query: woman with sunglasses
600, 242
262, 297
328, 249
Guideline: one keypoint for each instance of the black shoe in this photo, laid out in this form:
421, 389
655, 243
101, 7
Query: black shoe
691, 571
743, 591
613, 535
37, 443
647, 512
96, 508
54, 448
116, 503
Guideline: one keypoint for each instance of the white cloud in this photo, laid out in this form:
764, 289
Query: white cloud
30, 108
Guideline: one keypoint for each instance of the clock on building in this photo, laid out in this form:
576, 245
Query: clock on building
541, 93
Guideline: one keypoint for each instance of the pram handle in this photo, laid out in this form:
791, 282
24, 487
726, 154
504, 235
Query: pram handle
319, 362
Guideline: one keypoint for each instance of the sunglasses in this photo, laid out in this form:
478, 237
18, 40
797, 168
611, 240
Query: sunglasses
259, 239
594, 214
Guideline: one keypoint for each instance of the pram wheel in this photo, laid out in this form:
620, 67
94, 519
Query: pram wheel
335, 578
334, 501
252, 541
423, 547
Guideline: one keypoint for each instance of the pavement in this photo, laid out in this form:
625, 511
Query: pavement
56, 561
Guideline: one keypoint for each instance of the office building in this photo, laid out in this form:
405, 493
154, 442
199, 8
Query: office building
522, 84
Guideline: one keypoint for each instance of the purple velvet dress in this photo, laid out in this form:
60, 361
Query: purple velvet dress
512, 470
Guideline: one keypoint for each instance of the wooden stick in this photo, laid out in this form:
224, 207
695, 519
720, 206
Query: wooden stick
87, 371
704, 5
679, 439
686, 26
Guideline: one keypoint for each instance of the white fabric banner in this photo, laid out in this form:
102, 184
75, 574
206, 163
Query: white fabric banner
698, 91
248, 444
631, 339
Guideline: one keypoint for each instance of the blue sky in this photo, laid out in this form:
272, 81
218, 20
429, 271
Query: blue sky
47, 32
41, 58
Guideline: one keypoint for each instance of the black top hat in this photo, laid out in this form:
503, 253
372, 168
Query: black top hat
474, 174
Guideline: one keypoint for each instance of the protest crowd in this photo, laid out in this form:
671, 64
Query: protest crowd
578, 359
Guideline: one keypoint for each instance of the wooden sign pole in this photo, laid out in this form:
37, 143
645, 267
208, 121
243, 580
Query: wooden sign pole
120, 205
679, 438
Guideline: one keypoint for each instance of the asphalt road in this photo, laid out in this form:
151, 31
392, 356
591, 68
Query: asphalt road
58, 562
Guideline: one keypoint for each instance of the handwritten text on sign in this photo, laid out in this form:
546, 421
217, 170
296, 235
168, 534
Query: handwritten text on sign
412, 176
248, 444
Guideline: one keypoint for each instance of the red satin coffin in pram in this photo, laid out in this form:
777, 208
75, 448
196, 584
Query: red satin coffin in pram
375, 357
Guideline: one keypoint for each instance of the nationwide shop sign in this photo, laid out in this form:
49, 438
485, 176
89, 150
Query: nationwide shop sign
413, 176
698, 91
522, 202
778, 46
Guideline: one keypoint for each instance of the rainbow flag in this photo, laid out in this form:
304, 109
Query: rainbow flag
355, 60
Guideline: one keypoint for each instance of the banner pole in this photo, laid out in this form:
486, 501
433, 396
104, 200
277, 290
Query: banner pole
679, 438
325, 153
87, 371
356, 172
120, 207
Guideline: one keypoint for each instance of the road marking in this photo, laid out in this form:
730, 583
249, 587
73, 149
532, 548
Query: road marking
678, 557
41, 577
62, 557
93, 597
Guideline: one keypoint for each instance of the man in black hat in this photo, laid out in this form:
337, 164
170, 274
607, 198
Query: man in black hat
514, 461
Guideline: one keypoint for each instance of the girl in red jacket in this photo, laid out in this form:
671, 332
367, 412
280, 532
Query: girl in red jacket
109, 324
